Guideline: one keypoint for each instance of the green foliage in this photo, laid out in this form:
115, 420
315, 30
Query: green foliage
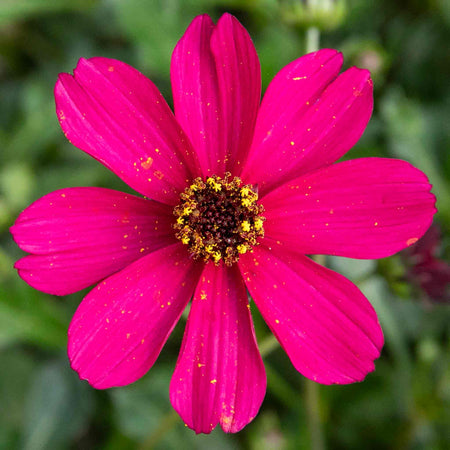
143, 413
11, 10
58, 408
404, 404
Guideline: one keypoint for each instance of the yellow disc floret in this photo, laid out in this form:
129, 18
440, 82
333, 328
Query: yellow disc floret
218, 219
245, 225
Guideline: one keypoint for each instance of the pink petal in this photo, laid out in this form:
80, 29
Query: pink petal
118, 116
219, 375
308, 119
216, 82
364, 208
196, 94
239, 77
324, 323
78, 236
120, 327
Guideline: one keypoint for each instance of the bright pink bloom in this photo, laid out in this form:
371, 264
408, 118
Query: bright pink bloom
286, 148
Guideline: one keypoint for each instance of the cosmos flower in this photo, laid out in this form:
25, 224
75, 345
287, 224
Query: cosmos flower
236, 193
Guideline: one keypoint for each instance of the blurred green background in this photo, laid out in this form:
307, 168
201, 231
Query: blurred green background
404, 404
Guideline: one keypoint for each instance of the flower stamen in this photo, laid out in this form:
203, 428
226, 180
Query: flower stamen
218, 219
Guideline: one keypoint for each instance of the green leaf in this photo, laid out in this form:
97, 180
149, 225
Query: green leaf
409, 138
27, 315
16, 183
144, 413
11, 10
15, 378
156, 26
58, 408
355, 269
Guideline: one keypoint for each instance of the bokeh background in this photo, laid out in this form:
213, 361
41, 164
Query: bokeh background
404, 404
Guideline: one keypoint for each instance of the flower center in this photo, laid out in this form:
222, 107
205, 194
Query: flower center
218, 219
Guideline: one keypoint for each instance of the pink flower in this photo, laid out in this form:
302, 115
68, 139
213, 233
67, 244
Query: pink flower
201, 233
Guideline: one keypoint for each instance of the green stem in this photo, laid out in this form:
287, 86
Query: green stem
313, 415
312, 39
320, 259
267, 345
312, 398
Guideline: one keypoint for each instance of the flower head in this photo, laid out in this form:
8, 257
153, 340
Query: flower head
236, 194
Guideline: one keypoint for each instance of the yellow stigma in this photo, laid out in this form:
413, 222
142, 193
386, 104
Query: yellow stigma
216, 257
245, 191
213, 184
242, 248
245, 226
218, 219
259, 223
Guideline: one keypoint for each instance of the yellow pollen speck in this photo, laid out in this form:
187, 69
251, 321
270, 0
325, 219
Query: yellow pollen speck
203, 295
242, 249
376, 224
226, 420
147, 164
277, 321
142, 249
292, 143
411, 241
185, 240
213, 381
111, 69
245, 225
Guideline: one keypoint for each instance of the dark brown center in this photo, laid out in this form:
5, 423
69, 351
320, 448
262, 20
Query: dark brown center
218, 219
